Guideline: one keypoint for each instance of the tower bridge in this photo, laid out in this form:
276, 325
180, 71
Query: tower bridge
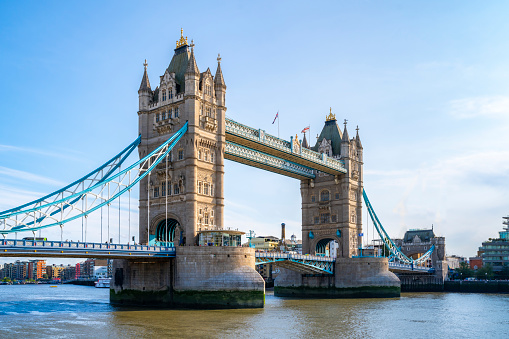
184, 138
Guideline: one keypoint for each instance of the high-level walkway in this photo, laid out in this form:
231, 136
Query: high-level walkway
256, 148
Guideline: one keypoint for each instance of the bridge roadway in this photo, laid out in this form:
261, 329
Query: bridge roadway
314, 264
256, 148
305, 264
67, 249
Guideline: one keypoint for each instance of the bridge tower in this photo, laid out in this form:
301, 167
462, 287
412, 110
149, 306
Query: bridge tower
191, 184
183, 196
332, 205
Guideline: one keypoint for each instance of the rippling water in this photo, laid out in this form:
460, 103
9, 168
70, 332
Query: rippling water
38, 311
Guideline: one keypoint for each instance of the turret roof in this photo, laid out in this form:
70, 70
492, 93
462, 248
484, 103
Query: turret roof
218, 79
145, 83
330, 132
192, 67
178, 65
305, 142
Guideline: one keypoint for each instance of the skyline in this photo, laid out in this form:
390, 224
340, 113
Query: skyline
425, 83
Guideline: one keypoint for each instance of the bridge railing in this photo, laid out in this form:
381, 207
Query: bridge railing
410, 267
289, 256
81, 245
260, 136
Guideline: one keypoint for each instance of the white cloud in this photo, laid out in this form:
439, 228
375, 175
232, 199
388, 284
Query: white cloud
27, 176
484, 106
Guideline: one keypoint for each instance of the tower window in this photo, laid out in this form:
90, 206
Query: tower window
206, 218
211, 190
316, 220
334, 218
324, 218
181, 154
163, 189
163, 116
169, 113
337, 195
200, 187
157, 117
212, 157
176, 112
324, 195
170, 93
313, 198
199, 154
164, 95
206, 189
156, 192
176, 189
206, 156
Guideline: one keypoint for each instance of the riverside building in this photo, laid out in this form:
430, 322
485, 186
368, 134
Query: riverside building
496, 251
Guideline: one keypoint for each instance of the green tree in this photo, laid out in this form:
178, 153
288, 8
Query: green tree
6, 279
504, 274
485, 272
464, 271
45, 276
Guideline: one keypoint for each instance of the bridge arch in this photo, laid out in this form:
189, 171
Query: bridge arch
323, 246
167, 229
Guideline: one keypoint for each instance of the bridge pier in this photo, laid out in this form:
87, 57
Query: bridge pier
199, 277
365, 277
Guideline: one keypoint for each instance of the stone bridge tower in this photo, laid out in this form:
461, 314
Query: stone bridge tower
332, 206
185, 195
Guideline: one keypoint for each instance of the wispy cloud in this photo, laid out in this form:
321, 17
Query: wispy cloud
27, 176
65, 154
484, 106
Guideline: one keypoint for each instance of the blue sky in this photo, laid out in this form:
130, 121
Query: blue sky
426, 82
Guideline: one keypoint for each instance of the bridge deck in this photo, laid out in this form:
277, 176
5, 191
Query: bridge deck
64, 249
258, 140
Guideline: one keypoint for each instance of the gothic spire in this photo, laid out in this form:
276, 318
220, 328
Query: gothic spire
357, 139
192, 68
305, 142
346, 138
218, 79
145, 83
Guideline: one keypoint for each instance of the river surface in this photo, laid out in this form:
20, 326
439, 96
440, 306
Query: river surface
68, 311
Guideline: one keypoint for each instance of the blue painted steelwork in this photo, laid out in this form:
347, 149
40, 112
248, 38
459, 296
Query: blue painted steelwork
394, 250
32, 248
260, 137
305, 263
258, 157
41, 213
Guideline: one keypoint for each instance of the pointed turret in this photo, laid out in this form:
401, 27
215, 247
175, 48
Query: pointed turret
192, 67
218, 79
345, 138
305, 142
219, 85
145, 83
357, 139
145, 92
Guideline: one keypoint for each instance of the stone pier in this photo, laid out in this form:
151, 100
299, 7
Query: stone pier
365, 277
199, 277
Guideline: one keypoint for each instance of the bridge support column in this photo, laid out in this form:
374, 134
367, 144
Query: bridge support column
365, 277
199, 277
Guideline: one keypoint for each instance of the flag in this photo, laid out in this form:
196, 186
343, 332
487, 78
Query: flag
305, 130
277, 116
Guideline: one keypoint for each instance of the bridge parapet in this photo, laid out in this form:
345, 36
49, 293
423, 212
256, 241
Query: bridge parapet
289, 150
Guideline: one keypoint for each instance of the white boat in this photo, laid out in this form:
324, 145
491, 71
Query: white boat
103, 283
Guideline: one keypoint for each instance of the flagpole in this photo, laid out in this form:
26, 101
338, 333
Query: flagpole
278, 124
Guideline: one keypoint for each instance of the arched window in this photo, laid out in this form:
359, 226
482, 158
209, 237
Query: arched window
199, 154
206, 218
324, 195
212, 157
163, 116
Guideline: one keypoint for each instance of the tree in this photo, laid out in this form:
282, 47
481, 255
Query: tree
464, 271
504, 274
45, 276
6, 279
485, 272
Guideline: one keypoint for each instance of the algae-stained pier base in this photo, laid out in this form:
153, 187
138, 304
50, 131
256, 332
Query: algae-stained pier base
366, 277
199, 277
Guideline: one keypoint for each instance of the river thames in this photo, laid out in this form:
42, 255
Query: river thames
68, 311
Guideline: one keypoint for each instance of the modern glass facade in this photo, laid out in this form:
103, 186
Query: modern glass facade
496, 251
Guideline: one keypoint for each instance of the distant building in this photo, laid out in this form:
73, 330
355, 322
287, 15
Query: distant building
265, 243
496, 251
454, 261
475, 263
